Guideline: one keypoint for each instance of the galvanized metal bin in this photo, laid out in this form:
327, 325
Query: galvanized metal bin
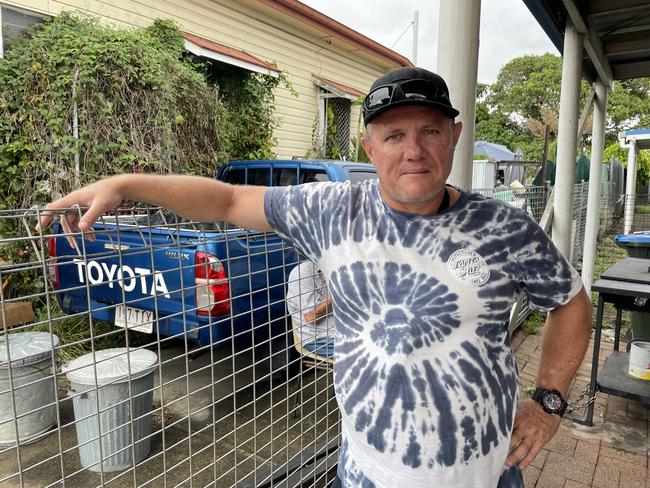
27, 397
103, 403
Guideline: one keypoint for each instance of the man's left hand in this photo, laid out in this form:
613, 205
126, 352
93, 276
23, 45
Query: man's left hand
532, 430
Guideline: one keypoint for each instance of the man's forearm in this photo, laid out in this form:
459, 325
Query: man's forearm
198, 198
565, 341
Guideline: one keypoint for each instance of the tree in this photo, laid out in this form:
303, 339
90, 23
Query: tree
628, 107
525, 85
526, 97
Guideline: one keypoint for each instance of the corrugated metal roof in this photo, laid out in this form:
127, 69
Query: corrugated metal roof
616, 33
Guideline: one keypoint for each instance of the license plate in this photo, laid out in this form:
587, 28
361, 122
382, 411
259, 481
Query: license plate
134, 318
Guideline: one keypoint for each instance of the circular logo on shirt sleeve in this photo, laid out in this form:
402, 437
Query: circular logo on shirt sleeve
468, 267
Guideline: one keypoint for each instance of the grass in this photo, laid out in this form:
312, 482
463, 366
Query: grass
74, 333
533, 323
642, 209
607, 253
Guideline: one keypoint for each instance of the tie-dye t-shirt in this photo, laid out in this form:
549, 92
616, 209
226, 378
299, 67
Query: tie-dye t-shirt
424, 374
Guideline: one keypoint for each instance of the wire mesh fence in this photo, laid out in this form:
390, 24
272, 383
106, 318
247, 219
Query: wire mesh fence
579, 220
159, 352
635, 213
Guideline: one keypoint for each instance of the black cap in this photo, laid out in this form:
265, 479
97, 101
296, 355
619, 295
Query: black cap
439, 97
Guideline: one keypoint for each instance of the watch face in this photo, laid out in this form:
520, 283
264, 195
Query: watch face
552, 401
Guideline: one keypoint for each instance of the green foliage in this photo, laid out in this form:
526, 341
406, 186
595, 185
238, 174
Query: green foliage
250, 102
526, 96
75, 333
326, 146
628, 107
141, 104
527, 83
607, 254
643, 163
80, 100
533, 323
137, 104
643, 209
359, 155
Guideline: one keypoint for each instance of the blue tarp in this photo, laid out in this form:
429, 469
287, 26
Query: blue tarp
495, 152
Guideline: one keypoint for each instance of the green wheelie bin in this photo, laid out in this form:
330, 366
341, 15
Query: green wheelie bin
637, 245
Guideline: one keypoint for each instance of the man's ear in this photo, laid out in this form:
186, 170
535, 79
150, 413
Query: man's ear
367, 145
458, 127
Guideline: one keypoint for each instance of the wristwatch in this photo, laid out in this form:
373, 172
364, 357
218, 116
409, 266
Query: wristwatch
551, 401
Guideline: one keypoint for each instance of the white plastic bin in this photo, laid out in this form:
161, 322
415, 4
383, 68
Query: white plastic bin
33, 390
102, 382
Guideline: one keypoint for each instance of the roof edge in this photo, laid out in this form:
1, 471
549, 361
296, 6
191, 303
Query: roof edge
337, 88
320, 21
229, 54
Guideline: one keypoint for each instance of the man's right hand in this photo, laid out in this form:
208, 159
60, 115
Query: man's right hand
98, 198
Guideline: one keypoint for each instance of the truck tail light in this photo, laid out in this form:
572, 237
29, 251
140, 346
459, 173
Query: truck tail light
212, 288
52, 269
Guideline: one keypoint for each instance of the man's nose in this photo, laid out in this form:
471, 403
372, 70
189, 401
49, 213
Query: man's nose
414, 149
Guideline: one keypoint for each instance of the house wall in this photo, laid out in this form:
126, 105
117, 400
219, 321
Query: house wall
299, 50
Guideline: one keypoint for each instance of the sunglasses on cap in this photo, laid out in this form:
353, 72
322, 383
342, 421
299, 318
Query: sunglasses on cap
416, 90
403, 92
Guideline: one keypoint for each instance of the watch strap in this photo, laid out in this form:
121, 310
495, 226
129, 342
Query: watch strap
540, 393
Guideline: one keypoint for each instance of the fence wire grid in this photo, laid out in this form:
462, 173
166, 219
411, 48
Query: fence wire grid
246, 412
160, 353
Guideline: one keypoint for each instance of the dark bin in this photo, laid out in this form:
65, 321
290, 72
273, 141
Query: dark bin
637, 245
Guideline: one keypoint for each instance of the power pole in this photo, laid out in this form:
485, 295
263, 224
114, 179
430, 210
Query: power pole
416, 22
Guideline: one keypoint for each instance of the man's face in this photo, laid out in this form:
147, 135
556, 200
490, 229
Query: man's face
412, 148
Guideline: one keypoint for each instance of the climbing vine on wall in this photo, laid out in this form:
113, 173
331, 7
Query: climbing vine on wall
80, 100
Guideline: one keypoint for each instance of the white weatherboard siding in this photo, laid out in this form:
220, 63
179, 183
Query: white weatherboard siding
299, 50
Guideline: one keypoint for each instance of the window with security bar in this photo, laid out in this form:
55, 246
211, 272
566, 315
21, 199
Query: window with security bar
336, 127
159, 352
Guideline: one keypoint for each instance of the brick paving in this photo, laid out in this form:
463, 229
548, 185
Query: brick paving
612, 453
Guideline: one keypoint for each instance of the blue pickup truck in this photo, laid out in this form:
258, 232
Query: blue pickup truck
214, 283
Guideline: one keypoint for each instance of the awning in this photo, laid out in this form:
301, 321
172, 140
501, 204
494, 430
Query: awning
640, 136
213, 50
616, 34
338, 89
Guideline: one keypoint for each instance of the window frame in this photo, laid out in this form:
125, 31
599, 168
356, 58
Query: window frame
27, 13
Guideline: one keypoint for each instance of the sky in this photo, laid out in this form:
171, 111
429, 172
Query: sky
508, 29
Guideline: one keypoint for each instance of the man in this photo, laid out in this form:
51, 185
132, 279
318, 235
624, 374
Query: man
422, 277
310, 306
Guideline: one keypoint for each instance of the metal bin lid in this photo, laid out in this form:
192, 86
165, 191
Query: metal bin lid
111, 366
26, 348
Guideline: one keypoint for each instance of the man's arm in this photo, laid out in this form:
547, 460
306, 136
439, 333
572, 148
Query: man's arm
322, 309
565, 341
193, 197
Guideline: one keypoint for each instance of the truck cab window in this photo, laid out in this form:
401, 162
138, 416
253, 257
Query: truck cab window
284, 176
236, 176
357, 176
259, 176
311, 175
